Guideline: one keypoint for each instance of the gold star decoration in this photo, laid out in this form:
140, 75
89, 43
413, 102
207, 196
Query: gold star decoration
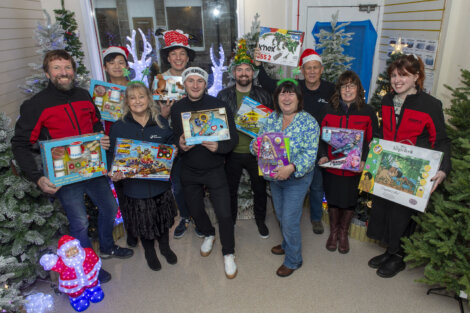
398, 46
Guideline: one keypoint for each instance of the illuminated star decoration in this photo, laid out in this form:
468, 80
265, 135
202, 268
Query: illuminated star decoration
398, 46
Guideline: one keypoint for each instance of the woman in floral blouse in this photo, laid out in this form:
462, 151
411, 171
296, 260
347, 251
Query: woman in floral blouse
290, 183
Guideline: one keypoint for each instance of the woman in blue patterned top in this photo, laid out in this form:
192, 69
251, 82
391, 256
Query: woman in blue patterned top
290, 183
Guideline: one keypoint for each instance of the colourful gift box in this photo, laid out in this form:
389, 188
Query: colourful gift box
108, 98
205, 125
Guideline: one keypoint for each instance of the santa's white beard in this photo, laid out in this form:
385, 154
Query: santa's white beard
76, 261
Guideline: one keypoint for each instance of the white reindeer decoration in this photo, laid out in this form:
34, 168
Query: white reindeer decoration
140, 67
218, 70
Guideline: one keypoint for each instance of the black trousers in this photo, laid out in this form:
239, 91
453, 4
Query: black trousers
193, 182
234, 166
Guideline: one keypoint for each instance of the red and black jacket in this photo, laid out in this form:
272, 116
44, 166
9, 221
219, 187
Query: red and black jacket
363, 119
51, 114
421, 123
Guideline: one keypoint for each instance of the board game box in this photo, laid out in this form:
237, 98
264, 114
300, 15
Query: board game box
73, 159
205, 125
280, 46
142, 159
273, 152
168, 87
250, 115
400, 173
108, 98
346, 145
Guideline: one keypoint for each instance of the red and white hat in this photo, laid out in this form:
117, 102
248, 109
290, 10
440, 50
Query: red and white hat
116, 49
176, 39
309, 55
65, 243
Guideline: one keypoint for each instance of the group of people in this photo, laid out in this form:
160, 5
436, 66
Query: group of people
302, 107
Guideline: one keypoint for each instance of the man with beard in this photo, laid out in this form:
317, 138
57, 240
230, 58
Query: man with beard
202, 165
63, 110
242, 69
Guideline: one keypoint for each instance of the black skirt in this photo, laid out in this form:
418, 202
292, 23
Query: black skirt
149, 218
341, 191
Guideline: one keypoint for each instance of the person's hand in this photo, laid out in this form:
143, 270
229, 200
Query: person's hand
255, 147
47, 186
437, 179
256, 55
165, 107
175, 152
284, 172
116, 176
57, 153
105, 142
322, 160
210, 145
183, 145
361, 166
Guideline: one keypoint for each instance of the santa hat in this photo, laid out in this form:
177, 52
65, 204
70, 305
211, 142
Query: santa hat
309, 55
194, 71
116, 49
66, 242
176, 39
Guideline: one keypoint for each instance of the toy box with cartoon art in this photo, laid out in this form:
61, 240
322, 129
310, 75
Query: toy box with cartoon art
168, 87
73, 159
273, 152
205, 125
250, 115
400, 173
346, 144
108, 99
142, 159
280, 46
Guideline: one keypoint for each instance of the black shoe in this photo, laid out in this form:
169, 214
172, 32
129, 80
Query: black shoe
104, 276
169, 255
391, 267
152, 260
263, 230
131, 241
376, 261
117, 252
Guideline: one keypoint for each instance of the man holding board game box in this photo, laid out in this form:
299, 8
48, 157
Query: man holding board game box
63, 110
203, 164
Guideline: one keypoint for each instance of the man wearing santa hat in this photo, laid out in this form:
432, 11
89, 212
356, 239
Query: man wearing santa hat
317, 92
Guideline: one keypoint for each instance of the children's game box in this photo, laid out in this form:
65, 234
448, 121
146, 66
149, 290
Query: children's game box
205, 125
250, 115
168, 87
73, 159
108, 98
280, 46
400, 173
142, 159
273, 153
347, 145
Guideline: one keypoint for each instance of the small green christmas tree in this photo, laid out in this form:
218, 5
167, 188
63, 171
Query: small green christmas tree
10, 296
442, 242
334, 60
28, 221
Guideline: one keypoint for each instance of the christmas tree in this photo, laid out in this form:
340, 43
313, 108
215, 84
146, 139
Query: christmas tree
442, 242
28, 221
331, 44
10, 296
67, 21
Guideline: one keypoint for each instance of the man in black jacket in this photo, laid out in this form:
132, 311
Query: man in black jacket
242, 69
203, 165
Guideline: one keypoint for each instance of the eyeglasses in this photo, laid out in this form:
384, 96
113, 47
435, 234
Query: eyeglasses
348, 86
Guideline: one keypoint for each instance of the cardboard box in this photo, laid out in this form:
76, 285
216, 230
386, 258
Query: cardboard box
347, 145
108, 98
141, 159
400, 173
250, 115
168, 87
273, 152
280, 46
205, 125
73, 159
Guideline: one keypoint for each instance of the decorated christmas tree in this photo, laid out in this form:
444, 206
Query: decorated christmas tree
331, 44
442, 241
28, 221
10, 296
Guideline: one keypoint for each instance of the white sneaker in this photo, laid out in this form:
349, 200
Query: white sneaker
230, 266
206, 247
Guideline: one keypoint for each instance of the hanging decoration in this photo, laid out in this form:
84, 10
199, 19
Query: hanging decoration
140, 66
218, 69
398, 46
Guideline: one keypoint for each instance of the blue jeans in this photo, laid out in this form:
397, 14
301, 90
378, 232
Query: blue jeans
316, 195
288, 198
72, 200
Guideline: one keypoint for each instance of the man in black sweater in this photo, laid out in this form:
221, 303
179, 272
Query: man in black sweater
317, 92
203, 165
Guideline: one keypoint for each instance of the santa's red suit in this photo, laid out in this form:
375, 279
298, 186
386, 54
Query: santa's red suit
77, 273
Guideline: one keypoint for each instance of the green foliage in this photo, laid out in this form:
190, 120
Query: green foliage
10, 296
442, 243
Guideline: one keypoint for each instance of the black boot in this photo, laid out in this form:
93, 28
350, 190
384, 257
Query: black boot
376, 261
391, 267
131, 240
164, 245
151, 254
